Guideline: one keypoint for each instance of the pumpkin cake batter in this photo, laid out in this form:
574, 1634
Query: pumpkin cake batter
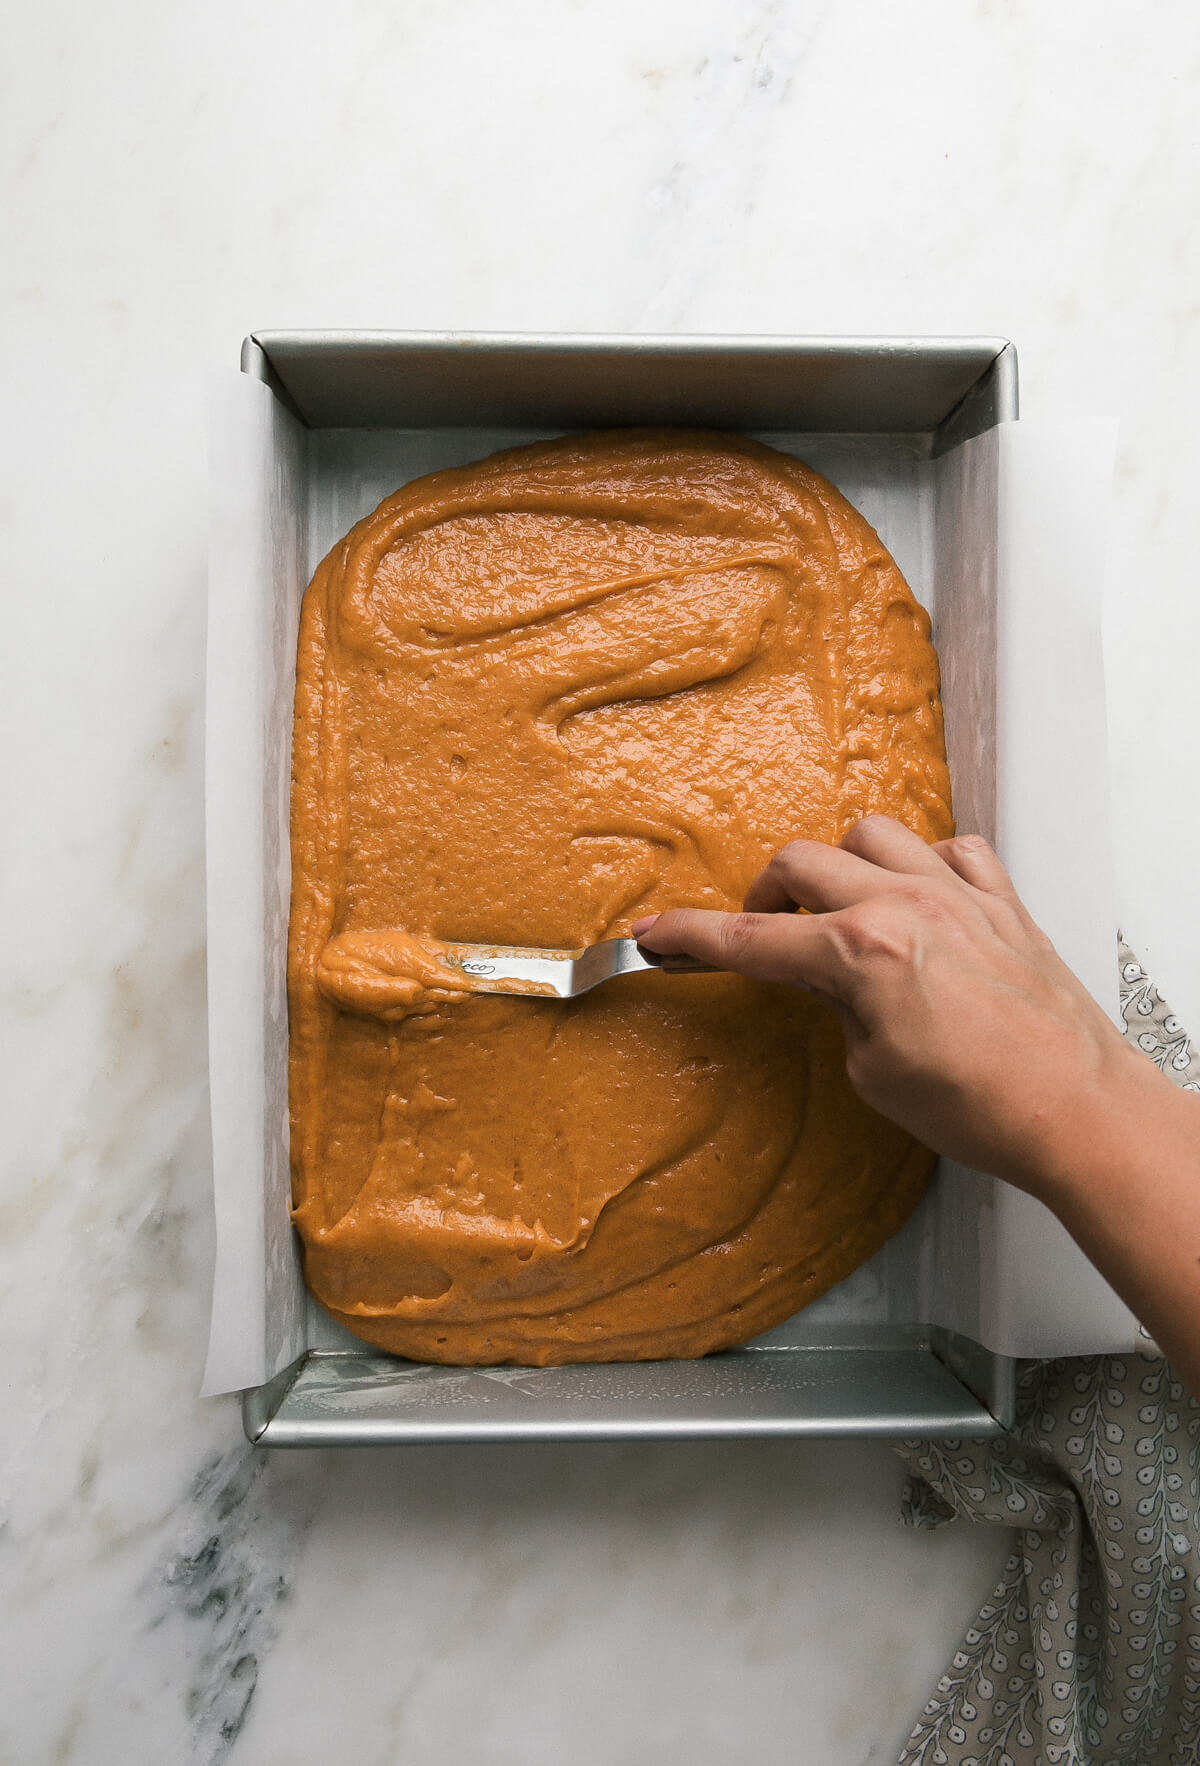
538, 697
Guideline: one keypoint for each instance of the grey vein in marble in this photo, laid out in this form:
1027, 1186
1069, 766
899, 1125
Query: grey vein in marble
223, 1583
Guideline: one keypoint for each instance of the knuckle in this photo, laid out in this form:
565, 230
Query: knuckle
1007, 917
922, 897
892, 929
1012, 919
736, 935
856, 1068
1041, 941
862, 834
863, 1070
980, 863
789, 858
868, 932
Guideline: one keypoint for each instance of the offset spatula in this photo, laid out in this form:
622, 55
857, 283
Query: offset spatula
557, 974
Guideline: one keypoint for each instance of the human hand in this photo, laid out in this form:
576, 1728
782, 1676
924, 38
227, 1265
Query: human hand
961, 1022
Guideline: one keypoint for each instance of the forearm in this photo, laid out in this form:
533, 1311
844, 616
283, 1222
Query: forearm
1126, 1185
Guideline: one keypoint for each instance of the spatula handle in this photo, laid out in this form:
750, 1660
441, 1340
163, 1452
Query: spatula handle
678, 965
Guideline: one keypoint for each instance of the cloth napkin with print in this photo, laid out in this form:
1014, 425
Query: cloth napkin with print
1088, 1651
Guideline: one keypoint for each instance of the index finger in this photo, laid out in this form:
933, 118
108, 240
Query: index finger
792, 948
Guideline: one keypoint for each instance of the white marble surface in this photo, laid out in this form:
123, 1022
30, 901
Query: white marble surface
173, 176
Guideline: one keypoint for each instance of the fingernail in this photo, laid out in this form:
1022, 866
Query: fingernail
643, 925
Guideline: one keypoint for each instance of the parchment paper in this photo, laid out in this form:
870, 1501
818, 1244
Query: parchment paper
1003, 539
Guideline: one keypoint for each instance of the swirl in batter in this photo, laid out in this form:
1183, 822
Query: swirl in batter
538, 697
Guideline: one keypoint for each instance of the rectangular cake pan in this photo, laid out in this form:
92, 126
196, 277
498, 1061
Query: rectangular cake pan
317, 429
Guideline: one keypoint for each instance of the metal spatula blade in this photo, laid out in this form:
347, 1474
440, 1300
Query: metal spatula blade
557, 974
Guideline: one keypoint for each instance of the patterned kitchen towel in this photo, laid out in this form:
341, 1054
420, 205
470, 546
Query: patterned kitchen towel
1088, 1651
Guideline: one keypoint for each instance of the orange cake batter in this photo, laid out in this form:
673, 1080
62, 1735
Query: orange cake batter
538, 697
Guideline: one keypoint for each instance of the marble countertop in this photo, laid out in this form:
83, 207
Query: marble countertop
175, 176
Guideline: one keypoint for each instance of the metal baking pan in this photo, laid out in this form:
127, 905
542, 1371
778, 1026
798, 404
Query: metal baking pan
369, 410
900, 1385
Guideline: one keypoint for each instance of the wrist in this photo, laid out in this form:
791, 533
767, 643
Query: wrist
1103, 1140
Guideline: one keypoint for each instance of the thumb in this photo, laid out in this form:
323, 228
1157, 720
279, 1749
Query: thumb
791, 948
